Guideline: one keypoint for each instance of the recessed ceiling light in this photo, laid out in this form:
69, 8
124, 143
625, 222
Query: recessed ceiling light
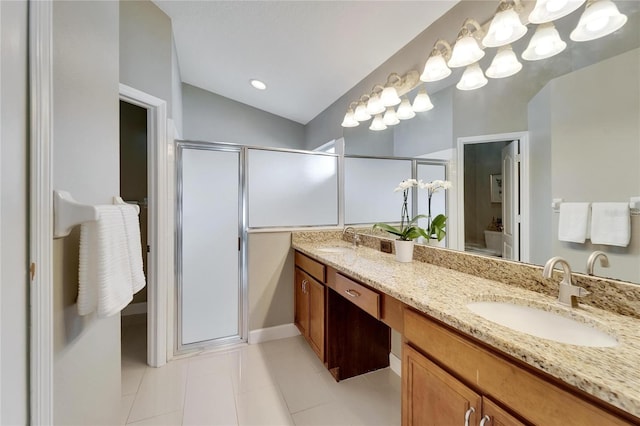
258, 84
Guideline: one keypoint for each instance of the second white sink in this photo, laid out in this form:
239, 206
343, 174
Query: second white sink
541, 323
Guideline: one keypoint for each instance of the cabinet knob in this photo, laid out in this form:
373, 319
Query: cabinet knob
485, 420
352, 293
467, 415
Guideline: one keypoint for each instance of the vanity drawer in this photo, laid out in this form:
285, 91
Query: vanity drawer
312, 267
364, 298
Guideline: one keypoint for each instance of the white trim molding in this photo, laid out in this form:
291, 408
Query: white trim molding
272, 333
159, 270
395, 364
41, 213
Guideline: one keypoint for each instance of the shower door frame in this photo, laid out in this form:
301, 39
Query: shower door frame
243, 301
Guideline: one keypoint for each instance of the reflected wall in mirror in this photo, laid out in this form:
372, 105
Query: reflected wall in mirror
581, 111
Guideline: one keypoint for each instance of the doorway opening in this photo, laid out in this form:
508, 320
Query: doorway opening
134, 190
493, 195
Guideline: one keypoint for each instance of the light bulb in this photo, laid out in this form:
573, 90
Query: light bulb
349, 120
472, 78
545, 43
435, 69
390, 118
465, 52
422, 102
374, 105
389, 96
361, 113
405, 111
377, 123
555, 5
600, 18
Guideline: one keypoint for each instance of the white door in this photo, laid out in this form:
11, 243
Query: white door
511, 202
209, 255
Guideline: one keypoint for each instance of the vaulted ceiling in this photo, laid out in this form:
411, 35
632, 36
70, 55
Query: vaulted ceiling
309, 53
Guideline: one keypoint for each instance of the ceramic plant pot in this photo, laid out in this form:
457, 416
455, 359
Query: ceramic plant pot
404, 250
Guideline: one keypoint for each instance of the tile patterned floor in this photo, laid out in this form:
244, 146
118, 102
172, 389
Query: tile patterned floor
280, 382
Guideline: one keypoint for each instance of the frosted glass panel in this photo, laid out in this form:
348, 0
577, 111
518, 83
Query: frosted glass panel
368, 189
210, 281
428, 173
291, 189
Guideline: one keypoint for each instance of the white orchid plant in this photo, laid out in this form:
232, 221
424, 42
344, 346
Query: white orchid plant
408, 229
435, 226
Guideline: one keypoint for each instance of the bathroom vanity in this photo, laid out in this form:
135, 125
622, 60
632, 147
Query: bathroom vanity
457, 367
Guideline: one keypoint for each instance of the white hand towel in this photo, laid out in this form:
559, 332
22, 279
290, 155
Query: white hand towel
611, 224
573, 223
108, 271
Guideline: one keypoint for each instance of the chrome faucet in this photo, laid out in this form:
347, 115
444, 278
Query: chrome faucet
568, 293
356, 237
604, 261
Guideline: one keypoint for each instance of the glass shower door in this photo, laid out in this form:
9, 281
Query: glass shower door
210, 291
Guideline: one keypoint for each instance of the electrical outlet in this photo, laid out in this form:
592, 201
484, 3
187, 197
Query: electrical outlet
385, 246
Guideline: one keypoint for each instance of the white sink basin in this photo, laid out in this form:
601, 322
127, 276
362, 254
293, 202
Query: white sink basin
336, 249
541, 323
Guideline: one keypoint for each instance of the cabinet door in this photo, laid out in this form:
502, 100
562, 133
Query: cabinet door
301, 316
316, 316
493, 415
431, 396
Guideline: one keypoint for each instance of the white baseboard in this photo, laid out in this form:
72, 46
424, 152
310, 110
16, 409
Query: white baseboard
395, 364
135, 309
272, 333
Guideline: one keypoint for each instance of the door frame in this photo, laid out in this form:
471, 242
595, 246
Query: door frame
160, 225
41, 212
523, 137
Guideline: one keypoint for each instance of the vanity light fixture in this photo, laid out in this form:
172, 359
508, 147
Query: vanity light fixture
472, 78
550, 10
361, 113
405, 111
390, 117
260, 85
600, 18
436, 68
505, 27
422, 102
374, 104
466, 50
349, 119
545, 43
504, 64
377, 123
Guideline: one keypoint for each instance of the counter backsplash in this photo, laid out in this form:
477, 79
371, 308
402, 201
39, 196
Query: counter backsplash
611, 295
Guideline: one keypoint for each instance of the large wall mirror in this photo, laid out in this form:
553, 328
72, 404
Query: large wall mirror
581, 112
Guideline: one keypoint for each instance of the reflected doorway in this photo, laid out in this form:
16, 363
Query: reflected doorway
492, 196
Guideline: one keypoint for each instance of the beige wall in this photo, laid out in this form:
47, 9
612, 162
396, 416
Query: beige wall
85, 163
14, 215
270, 279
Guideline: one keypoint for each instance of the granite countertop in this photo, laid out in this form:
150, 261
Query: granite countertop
610, 374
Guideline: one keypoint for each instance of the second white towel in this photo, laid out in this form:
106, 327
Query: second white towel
573, 224
611, 224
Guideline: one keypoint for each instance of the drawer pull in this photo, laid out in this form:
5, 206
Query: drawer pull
352, 293
467, 415
485, 420
304, 286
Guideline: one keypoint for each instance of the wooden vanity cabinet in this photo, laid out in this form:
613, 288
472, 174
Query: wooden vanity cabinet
310, 293
454, 370
434, 397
